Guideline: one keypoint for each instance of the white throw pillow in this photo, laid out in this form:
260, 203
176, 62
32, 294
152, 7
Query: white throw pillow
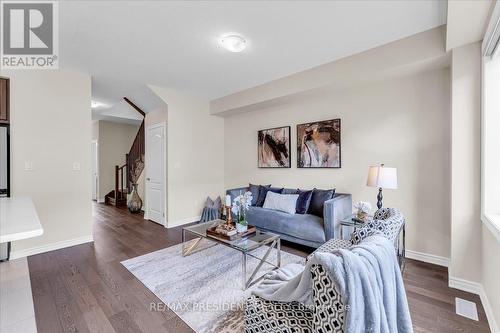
282, 202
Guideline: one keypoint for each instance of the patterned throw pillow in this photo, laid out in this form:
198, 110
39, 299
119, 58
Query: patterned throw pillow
387, 221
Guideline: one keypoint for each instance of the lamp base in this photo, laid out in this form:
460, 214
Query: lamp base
379, 198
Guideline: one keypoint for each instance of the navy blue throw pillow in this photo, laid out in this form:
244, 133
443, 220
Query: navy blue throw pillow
263, 193
255, 189
318, 199
303, 201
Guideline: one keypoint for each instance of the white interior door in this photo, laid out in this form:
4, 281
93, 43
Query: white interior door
156, 173
3, 158
94, 169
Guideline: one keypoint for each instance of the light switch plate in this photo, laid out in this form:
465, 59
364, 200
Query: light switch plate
466, 309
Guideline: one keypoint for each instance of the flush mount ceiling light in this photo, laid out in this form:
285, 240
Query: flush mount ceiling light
233, 43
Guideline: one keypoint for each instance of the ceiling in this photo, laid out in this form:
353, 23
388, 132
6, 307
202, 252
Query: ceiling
125, 45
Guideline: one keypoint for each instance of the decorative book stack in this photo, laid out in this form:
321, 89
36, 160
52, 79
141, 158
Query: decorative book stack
226, 229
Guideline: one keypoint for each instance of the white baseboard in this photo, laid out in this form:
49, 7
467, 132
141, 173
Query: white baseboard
51, 247
183, 221
489, 312
465, 285
478, 289
100, 200
429, 258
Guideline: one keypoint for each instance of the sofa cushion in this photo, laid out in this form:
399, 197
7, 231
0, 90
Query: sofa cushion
289, 191
318, 199
254, 189
263, 193
303, 226
282, 202
303, 201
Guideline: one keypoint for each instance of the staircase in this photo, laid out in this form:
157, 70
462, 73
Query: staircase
109, 199
125, 174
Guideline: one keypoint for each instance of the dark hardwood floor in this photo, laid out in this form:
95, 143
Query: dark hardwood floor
84, 288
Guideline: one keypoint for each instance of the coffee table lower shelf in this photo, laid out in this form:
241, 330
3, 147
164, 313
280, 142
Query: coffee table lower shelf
273, 242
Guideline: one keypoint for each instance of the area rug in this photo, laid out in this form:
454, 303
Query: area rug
205, 288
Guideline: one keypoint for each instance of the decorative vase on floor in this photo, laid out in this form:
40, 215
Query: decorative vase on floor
135, 202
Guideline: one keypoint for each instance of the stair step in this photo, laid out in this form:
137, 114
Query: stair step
109, 198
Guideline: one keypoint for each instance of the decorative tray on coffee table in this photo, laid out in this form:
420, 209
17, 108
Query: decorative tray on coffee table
212, 233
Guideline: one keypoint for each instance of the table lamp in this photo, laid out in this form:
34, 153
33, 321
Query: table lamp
382, 177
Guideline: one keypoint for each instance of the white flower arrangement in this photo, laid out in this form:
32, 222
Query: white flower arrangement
363, 207
241, 204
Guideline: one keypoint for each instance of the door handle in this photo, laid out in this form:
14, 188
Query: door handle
148, 179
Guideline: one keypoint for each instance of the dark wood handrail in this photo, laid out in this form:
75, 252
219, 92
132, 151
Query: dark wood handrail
136, 151
136, 108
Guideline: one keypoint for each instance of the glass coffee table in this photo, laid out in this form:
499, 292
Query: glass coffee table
245, 245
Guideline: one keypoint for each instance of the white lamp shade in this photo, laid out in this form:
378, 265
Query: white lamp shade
382, 177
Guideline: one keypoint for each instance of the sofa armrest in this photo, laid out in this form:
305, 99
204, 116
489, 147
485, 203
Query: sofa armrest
234, 192
334, 211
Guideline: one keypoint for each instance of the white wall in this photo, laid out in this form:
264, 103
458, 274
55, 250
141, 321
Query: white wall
156, 116
465, 164
115, 140
51, 127
195, 155
95, 130
401, 122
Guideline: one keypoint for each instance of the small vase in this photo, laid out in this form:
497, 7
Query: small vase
135, 202
241, 228
241, 224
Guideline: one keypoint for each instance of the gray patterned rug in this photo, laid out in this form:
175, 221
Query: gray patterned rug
203, 289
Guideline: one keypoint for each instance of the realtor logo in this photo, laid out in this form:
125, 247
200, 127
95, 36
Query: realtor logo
29, 35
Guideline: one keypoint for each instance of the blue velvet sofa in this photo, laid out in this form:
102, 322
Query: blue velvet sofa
305, 229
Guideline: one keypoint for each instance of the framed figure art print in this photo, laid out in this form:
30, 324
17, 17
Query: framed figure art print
273, 148
318, 144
